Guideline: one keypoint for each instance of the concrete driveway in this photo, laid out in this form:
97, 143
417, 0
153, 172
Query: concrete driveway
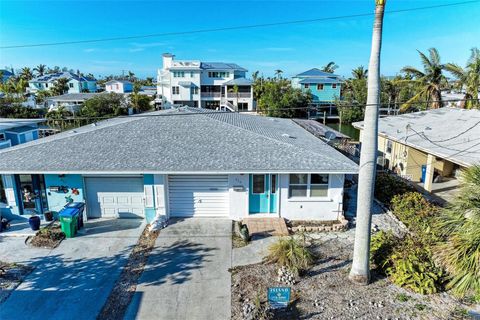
73, 280
187, 275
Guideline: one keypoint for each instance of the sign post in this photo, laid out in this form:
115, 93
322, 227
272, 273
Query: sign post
279, 297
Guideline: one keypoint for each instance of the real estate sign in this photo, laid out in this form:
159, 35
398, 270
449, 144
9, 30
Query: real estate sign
278, 297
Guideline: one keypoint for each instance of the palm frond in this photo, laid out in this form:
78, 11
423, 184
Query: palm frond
434, 56
413, 71
457, 71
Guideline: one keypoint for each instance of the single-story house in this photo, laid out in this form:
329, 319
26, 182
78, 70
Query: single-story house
118, 86
17, 131
72, 102
184, 162
428, 146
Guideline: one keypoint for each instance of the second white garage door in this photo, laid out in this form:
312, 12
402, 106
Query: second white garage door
114, 197
198, 196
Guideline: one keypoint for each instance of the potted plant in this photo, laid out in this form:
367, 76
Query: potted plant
48, 215
34, 222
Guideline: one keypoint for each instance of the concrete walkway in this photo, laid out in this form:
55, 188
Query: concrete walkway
187, 274
73, 280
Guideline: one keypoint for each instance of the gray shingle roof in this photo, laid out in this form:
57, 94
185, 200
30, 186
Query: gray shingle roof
184, 141
449, 133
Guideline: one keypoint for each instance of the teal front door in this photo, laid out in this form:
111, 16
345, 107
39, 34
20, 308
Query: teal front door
263, 193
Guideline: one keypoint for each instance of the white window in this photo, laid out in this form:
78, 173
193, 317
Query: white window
258, 184
308, 185
192, 74
70, 85
306, 85
175, 90
194, 90
334, 86
319, 87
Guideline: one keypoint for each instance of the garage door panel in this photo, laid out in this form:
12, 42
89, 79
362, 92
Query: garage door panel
197, 196
114, 197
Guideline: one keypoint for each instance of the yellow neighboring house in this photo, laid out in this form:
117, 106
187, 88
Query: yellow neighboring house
428, 146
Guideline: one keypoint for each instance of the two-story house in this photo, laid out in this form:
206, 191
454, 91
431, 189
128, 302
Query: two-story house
211, 85
76, 83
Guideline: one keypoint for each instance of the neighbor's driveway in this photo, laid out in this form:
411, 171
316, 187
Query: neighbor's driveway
187, 275
74, 280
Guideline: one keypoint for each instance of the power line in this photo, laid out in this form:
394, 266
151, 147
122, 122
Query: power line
262, 25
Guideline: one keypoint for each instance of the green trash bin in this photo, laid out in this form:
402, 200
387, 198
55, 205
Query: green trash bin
68, 223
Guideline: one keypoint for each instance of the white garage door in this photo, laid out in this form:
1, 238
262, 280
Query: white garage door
114, 197
198, 196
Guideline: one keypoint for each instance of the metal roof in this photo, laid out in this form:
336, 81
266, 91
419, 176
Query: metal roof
324, 80
221, 66
185, 140
315, 72
50, 77
239, 82
7, 123
449, 133
74, 96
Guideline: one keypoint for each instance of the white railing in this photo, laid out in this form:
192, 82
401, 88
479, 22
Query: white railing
239, 95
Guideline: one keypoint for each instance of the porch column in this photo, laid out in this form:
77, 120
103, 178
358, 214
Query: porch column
427, 185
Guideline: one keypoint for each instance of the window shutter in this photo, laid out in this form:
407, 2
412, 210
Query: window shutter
148, 196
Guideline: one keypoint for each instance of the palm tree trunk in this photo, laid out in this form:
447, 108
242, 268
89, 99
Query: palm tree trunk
360, 271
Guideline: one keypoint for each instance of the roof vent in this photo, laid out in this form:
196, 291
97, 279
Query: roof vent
286, 135
72, 132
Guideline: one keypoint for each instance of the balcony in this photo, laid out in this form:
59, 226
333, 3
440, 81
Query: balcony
210, 94
239, 95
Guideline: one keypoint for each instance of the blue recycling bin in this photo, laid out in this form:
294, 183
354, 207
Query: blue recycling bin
79, 206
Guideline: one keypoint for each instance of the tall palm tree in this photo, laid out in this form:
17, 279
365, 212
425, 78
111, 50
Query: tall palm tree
430, 81
278, 73
131, 76
360, 271
60, 86
40, 69
330, 67
468, 78
359, 73
26, 74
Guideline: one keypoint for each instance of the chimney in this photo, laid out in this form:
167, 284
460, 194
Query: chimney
167, 59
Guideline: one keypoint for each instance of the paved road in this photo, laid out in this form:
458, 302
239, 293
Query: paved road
187, 275
73, 280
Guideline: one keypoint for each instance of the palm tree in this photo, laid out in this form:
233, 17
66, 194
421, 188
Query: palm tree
430, 81
40, 69
359, 73
26, 74
468, 78
360, 272
235, 91
330, 67
131, 76
459, 249
60, 86
278, 73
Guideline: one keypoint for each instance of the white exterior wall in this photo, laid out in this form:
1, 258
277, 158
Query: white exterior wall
160, 194
238, 199
328, 208
113, 87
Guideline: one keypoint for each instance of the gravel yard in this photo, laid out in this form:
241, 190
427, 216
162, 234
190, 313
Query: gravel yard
326, 293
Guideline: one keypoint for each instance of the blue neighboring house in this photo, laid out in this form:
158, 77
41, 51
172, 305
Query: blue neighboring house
5, 75
17, 131
76, 83
325, 87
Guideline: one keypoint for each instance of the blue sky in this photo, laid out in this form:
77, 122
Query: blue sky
291, 48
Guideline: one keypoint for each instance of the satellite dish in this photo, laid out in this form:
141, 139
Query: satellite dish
330, 135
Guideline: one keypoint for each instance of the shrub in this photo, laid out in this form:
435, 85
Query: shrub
381, 247
415, 212
292, 253
411, 266
388, 185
